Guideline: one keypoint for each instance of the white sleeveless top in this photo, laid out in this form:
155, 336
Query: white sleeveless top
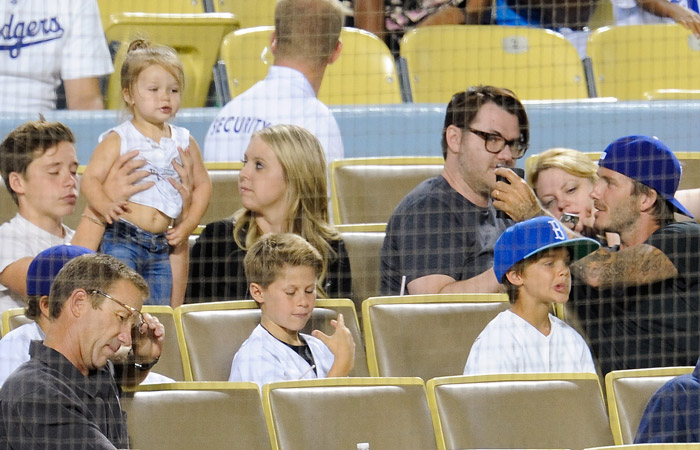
159, 156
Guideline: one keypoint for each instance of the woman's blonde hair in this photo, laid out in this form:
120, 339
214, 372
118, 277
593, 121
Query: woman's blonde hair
304, 166
570, 161
141, 55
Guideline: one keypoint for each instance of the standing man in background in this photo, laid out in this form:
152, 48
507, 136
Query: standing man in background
305, 41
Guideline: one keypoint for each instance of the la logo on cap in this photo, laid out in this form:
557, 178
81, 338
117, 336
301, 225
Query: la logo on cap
559, 234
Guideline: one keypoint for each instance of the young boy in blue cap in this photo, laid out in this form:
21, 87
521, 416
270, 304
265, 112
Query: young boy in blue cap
531, 259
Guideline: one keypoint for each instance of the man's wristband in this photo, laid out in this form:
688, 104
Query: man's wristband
146, 366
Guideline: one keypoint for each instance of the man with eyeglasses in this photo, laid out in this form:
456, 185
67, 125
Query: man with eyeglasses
441, 236
66, 396
14, 346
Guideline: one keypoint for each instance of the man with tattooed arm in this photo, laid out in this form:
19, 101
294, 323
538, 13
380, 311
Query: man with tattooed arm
639, 304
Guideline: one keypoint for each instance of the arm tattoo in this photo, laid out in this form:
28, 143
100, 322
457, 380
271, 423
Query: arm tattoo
637, 265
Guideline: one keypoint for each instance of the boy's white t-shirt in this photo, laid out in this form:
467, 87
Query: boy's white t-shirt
19, 238
509, 344
264, 359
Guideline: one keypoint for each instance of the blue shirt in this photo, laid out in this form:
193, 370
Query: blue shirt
673, 412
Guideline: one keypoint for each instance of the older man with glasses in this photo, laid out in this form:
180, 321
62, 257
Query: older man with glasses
440, 238
65, 396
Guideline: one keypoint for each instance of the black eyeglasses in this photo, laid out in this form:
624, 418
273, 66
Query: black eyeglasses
495, 143
134, 314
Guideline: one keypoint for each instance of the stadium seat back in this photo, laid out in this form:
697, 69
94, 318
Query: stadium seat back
645, 62
367, 190
170, 363
629, 392
225, 198
11, 319
363, 74
109, 7
196, 415
364, 251
535, 63
425, 336
195, 38
550, 410
338, 413
249, 13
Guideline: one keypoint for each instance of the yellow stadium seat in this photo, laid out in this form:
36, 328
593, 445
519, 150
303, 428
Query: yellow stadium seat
629, 392
191, 415
8, 208
211, 333
602, 15
363, 243
338, 413
249, 13
109, 7
532, 62
520, 410
642, 62
11, 319
225, 199
170, 363
425, 336
688, 446
195, 37
363, 74
355, 196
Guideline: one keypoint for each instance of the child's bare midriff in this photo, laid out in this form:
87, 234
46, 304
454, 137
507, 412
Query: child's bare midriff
147, 218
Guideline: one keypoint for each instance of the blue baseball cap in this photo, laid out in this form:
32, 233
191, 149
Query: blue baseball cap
533, 236
647, 160
46, 265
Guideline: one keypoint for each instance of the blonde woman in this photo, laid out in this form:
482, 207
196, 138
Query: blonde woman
563, 179
283, 190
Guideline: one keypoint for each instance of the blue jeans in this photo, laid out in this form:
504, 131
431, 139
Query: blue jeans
146, 253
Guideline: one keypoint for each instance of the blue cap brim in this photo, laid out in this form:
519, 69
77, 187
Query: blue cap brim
580, 247
677, 207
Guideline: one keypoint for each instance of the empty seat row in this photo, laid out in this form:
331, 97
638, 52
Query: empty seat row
637, 62
510, 411
493, 411
248, 14
631, 62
